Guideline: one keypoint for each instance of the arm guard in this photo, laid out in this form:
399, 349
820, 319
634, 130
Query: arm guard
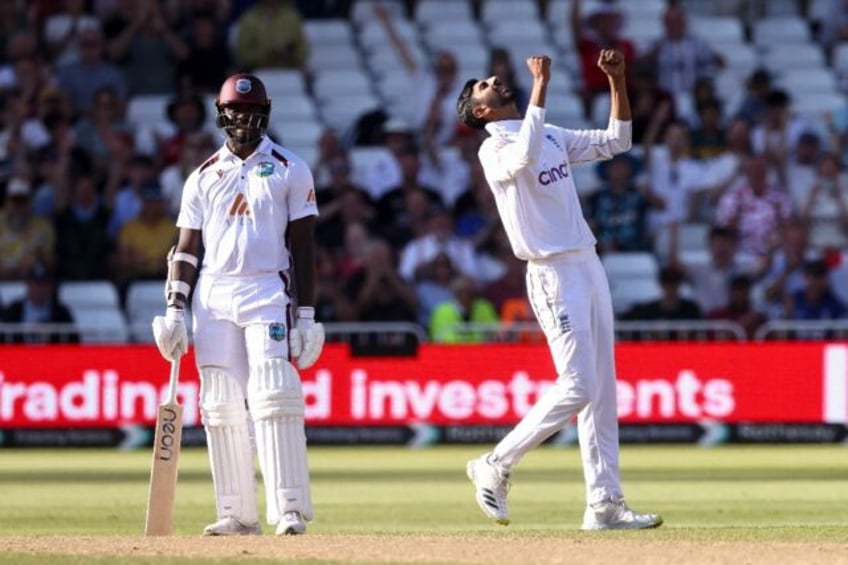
177, 290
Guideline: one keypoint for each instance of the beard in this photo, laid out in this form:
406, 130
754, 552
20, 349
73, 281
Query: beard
243, 135
499, 100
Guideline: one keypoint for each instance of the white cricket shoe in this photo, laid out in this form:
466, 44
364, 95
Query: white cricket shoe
291, 524
614, 514
229, 526
491, 482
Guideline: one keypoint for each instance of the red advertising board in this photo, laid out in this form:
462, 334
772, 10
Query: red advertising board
94, 386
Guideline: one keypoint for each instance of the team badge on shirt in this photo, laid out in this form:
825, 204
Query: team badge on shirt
265, 169
277, 331
564, 324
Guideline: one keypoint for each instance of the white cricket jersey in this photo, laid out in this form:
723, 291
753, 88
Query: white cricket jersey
243, 208
528, 166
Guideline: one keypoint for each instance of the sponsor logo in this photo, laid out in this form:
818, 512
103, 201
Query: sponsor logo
239, 209
376, 399
277, 332
243, 86
168, 429
658, 383
310, 196
265, 169
553, 140
95, 398
554, 174
687, 396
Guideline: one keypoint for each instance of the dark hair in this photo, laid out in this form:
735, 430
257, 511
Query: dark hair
740, 282
671, 274
709, 104
722, 232
760, 77
465, 106
809, 137
815, 268
778, 99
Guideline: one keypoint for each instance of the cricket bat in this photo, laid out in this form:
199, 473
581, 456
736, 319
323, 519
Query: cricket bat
166, 455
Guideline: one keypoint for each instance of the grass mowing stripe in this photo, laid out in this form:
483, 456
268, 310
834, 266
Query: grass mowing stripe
728, 493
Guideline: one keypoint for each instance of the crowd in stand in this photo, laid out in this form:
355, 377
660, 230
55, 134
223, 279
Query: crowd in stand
415, 238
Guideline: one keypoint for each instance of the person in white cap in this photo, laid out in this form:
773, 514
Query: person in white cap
527, 164
252, 207
25, 238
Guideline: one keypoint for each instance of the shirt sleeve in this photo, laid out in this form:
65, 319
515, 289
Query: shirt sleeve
583, 146
502, 159
301, 195
191, 208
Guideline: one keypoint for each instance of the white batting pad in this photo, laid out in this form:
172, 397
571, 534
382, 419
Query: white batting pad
276, 404
225, 418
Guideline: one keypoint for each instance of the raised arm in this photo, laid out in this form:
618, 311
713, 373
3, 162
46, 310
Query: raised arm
590, 145
503, 161
576, 23
611, 62
398, 42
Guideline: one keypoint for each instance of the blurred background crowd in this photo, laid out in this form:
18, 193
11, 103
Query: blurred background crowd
732, 205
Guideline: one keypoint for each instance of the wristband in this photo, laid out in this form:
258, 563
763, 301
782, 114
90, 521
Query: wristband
185, 257
306, 313
179, 287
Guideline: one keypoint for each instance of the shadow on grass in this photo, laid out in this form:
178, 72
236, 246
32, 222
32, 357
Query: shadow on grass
418, 475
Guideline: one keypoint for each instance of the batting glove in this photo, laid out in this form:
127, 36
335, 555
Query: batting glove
169, 331
307, 338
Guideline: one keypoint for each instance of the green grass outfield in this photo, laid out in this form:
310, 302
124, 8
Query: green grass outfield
756, 494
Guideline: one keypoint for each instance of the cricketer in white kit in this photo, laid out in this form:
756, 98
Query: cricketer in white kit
528, 166
251, 208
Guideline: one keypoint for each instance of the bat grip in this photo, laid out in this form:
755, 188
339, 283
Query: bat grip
175, 378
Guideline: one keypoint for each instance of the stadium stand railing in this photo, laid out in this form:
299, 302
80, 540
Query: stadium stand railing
523, 332
38, 334
809, 330
387, 336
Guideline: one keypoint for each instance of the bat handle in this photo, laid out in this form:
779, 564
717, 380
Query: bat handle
175, 378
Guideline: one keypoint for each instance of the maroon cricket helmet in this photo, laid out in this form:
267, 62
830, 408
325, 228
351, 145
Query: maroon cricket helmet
238, 91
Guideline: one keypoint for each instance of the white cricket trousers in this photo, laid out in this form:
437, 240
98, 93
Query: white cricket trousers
570, 296
232, 323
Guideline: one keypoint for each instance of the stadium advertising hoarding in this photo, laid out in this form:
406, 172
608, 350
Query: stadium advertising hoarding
463, 391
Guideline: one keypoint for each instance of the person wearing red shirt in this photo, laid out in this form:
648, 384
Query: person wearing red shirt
597, 29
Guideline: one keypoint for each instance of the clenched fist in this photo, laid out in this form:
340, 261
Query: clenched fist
540, 67
611, 62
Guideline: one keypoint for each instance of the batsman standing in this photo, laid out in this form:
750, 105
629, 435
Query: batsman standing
251, 208
528, 166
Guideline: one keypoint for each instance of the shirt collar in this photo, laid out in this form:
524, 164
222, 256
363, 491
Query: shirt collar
503, 126
264, 148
